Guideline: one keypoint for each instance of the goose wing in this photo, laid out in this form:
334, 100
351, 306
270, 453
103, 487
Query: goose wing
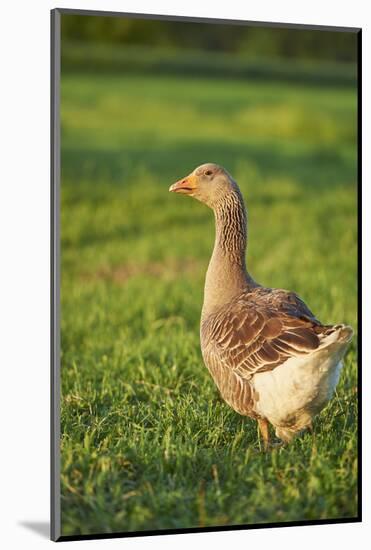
259, 331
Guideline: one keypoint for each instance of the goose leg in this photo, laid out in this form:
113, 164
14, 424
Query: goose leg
264, 430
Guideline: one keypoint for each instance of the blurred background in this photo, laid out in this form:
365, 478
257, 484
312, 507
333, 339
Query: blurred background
146, 441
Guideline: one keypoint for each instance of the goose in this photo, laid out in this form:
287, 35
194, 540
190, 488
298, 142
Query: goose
269, 356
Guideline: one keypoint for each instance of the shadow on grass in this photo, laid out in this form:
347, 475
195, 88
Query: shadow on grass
315, 167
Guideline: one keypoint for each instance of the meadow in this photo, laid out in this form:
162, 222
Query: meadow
147, 443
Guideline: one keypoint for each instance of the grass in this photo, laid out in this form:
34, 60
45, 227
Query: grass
147, 443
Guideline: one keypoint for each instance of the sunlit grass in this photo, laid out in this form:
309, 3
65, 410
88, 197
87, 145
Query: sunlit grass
146, 441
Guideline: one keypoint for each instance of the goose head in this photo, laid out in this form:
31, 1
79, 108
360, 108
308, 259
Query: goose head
208, 183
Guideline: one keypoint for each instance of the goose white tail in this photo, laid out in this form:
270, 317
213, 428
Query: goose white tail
292, 394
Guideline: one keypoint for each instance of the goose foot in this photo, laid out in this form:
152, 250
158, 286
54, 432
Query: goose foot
286, 435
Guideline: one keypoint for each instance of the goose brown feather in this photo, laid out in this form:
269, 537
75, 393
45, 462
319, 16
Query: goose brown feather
251, 334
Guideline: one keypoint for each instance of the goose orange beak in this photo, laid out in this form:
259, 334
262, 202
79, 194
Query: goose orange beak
186, 186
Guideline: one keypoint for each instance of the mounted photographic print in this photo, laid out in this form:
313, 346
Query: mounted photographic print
205, 195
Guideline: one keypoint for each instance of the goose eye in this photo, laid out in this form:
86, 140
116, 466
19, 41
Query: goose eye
208, 173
